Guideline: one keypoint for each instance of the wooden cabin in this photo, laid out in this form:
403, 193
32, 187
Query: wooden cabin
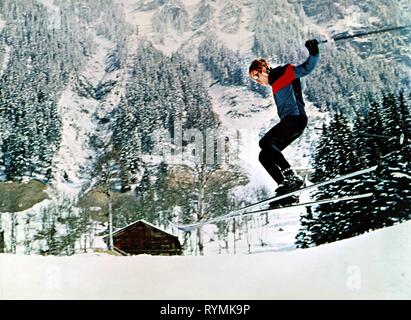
2, 246
141, 237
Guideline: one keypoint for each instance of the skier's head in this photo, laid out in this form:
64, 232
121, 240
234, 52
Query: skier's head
258, 71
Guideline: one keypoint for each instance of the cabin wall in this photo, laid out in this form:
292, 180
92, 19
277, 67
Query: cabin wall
141, 238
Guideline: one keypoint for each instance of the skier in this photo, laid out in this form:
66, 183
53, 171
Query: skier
286, 86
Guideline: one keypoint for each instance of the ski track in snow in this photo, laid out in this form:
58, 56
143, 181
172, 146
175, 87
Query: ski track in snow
375, 265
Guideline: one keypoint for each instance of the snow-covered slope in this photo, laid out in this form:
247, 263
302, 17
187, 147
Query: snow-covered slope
376, 265
2, 23
80, 121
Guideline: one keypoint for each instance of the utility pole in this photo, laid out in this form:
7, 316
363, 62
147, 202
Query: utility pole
108, 173
110, 220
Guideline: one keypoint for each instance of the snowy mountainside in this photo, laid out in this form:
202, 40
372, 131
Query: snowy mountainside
231, 22
349, 17
372, 266
183, 22
111, 32
2, 23
79, 123
86, 117
214, 17
168, 35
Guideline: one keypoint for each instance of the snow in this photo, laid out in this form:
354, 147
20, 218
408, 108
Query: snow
242, 39
259, 233
53, 12
73, 154
2, 24
251, 115
145, 222
47, 3
134, 17
352, 17
142, 21
401, 175
21, 219
77, 112
6, 58
375, 265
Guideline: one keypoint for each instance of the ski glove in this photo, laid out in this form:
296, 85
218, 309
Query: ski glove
312, 46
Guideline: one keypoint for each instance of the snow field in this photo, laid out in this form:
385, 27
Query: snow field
375, 265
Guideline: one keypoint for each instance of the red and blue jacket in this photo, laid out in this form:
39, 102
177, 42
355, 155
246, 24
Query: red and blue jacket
286, 85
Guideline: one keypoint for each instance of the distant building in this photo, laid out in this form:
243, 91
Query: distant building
141, 237
2, 246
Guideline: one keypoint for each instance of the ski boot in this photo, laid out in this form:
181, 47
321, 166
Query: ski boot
292, 182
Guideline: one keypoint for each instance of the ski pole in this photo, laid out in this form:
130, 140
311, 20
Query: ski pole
363, 34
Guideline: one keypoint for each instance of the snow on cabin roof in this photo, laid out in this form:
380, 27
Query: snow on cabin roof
145, 222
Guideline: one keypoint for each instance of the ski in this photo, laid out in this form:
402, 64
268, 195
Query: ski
296, 192
190, 227
306, 188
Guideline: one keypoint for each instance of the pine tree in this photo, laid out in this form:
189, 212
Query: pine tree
146, 197
225, 65
377, 132
166, 196
48, 232
321, 164
331, 220
392, 198
305, 234
14, 151
373, 128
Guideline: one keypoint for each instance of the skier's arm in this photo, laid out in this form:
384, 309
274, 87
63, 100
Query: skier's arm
289, 73
308, 65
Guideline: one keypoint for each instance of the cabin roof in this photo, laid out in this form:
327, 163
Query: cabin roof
143, 221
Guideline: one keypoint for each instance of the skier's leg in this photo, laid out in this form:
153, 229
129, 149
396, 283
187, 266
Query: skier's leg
276, 140
286, 142
279, 137
270, 166
271, 143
